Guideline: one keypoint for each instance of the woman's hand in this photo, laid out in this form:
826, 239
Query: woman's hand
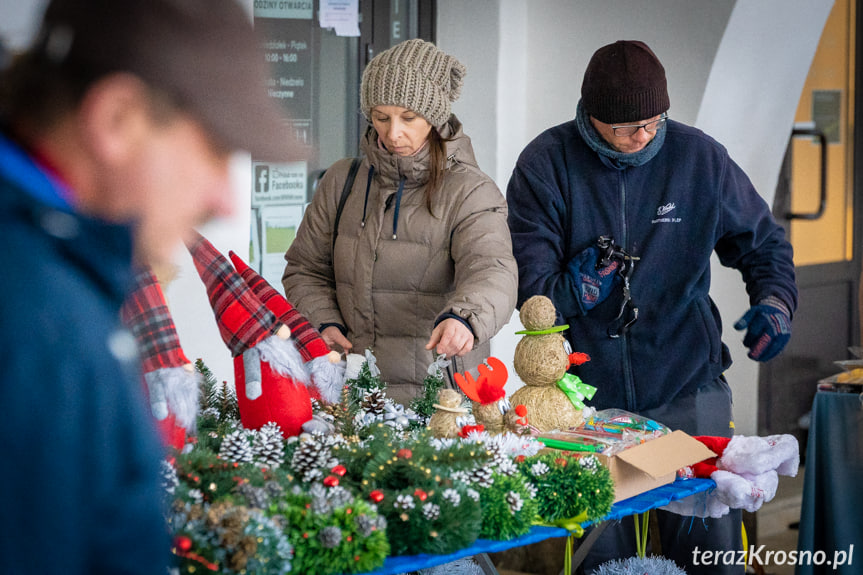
333, 337
451, 337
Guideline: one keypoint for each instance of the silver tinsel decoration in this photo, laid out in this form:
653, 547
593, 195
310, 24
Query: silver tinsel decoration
639, 566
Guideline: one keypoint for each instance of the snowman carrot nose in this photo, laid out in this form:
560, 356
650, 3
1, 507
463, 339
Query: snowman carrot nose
578, 358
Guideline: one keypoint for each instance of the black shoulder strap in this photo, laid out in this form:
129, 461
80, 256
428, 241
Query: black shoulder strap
346, 191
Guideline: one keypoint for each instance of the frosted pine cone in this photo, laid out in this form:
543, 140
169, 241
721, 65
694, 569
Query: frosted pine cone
236, 447
269, 446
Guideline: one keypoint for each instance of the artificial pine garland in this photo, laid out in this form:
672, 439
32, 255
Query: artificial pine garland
345, 501
332, 531
228, 539
215, 477
423, 405
508, 507
213, 395
569, 484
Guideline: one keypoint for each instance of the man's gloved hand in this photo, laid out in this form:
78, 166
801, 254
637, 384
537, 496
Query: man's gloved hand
593, 285
768, 326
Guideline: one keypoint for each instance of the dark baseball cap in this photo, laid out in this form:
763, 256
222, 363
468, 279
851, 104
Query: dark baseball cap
203, 53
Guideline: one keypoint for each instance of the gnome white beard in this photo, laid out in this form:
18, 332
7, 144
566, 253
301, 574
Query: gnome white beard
174, 390
328, 377
283, 357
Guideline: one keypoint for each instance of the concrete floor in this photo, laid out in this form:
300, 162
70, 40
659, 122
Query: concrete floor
775, 517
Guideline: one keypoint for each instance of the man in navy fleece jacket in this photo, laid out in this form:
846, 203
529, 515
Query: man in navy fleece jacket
664, 196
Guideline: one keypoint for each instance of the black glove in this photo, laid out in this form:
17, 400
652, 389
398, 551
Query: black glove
593, 285
768, 326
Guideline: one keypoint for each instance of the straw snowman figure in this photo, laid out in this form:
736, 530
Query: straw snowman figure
541, 360
445, 422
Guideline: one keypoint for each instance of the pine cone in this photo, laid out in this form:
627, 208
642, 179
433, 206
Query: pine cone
313, 455
481, 476
236, 447
514, 501
330, 536
431, 511
374, 402
365, 525
498, 456
168, 477
269, 446
255, 496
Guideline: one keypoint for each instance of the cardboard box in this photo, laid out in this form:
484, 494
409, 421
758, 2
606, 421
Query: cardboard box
651, 464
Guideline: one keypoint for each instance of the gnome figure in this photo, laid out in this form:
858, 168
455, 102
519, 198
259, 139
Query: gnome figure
553, 398
746, 471
170, 378
269, 372
325, 366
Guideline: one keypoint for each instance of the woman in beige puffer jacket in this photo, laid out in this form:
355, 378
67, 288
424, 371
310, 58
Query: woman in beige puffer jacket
416, 267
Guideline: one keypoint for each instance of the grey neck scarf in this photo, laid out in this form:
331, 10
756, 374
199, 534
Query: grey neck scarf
600, 146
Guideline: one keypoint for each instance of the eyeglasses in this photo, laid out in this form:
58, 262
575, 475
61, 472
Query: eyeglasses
627, 130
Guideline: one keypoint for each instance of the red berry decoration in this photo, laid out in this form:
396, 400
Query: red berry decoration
404, 453
339, 470
183, 543
420, 494
331, 480
377, 495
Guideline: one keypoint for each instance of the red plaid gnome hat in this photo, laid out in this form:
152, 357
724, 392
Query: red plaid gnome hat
243, 320
328, 372
269, 370
171, 381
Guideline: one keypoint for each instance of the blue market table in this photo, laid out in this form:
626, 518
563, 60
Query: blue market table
632, 506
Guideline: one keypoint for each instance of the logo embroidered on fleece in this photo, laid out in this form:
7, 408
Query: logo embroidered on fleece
663, 210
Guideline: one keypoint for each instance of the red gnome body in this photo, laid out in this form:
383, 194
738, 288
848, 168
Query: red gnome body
170, 378
325, 366
269, 373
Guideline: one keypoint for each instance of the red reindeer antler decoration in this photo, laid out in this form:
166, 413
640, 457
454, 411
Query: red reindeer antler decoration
488, 388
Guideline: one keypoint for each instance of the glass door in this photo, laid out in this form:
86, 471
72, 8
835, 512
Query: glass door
316, 51
815, 200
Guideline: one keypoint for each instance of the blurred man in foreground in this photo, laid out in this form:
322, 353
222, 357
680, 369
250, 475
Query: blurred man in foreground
116, 133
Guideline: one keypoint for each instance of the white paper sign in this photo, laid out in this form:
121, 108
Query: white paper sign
342, 16
278, 183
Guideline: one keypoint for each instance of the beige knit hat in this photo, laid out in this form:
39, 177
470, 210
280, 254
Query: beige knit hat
415, 75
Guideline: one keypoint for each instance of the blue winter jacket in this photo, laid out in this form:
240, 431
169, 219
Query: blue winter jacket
80, 472
673, 211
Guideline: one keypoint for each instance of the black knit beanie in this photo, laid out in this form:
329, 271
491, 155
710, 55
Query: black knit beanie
624, 82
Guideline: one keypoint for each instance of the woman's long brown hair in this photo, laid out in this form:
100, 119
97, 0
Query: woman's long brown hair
437, 165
